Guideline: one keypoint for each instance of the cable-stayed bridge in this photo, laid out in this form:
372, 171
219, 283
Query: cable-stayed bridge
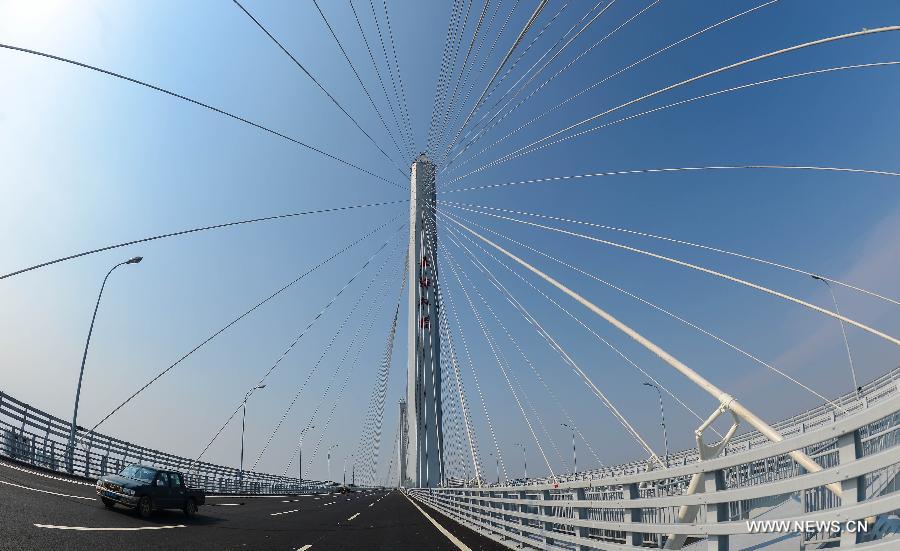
487, 297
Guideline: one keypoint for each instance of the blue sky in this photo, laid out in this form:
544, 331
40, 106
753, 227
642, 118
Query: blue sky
88, 160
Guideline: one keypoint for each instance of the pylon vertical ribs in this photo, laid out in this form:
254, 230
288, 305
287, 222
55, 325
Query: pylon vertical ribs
424, 454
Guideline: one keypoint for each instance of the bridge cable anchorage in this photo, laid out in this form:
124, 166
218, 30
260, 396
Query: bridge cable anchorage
471, 363
598, 83
358, 78
685, 243
314, 369
498, 356
684, 82
387, 61
239, 318
508, 72
466, 76
525, 358
515, 85
200, 104
734, 405
595, 390
706, 96
539, 328
715, 337
372, 318
458, 40
537, 11
318, 84
487, 56
299, 336
457, 374
503, 115
698, 268
439, 86
378, 74
404, 104
195, 230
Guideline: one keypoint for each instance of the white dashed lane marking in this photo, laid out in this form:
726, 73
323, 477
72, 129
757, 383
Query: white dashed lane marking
284, 512
305, 547
92, 529
46, 491
353, 517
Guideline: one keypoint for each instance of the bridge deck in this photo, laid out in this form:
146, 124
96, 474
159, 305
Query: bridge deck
71, 519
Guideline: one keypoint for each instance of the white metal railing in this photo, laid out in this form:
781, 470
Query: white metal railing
629, 506
31, 436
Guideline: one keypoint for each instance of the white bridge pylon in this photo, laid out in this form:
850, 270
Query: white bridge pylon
424, 454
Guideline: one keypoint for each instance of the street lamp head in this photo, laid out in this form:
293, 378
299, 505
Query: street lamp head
260, 387
134, 260
819, 278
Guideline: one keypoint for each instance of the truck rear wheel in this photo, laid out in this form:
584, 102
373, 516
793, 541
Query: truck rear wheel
108, 503
145, 507
190, 507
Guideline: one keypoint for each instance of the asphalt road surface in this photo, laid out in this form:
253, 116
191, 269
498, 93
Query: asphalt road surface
42, 511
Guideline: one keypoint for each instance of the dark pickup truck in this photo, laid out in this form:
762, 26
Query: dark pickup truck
147, 489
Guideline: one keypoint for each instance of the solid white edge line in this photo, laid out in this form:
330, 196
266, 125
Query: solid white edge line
45, 475
453, 539
89, 529
46, 491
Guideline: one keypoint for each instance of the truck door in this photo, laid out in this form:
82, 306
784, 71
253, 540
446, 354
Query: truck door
176, 487
162, 494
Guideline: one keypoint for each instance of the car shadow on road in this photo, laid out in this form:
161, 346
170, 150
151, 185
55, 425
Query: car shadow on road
169, 517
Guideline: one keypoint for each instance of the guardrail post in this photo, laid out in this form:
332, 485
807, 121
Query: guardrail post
521, 509
581, 513
632, 514
716, 512
547, 510
849, 450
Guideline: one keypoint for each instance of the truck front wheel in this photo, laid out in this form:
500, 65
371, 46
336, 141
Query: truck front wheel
190, 507
145, 507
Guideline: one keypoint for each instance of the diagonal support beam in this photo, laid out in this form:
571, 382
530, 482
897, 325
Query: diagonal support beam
728, 402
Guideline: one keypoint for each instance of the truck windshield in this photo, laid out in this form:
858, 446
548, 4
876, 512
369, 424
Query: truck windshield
138, 473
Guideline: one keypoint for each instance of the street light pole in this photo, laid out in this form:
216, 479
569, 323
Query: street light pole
574, 455
662, 415
497, 461
843, 329
300, 457
524, 459
244, 426
329, 461
70, 453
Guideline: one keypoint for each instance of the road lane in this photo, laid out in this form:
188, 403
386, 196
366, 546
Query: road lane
40, 511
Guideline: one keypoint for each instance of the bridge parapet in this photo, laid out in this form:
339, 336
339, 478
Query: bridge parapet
630, 506
31, 436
